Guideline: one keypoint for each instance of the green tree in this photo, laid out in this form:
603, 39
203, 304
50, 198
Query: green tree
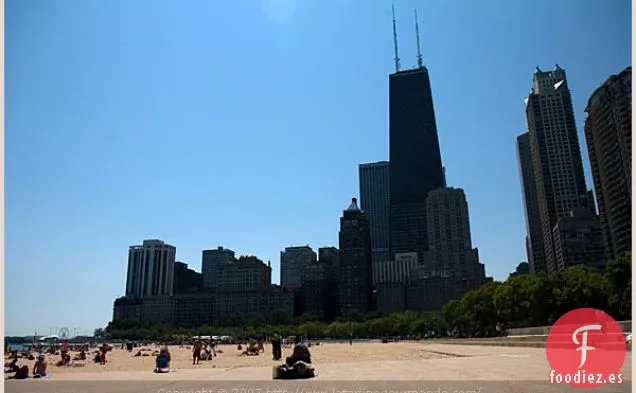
306, 317
618, 274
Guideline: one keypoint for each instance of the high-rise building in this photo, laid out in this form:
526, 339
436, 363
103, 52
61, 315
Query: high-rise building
193, 310
330, 256
211, 259
150, 269
242, 288
280, 299
448, 222
127, 308
534, 237
451, 266
374, 201
522, 269
578, 240
189, 310
247, 273
415, 166
320, 290
292, 262
186, 280
450, 246
158, 309
397, 270
608, 131
391, 279
556, 155
355, 287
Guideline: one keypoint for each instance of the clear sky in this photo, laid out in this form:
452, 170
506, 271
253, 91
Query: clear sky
242, 124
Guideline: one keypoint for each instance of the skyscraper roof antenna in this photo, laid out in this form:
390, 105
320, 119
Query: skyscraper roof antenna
417, 35
395, 45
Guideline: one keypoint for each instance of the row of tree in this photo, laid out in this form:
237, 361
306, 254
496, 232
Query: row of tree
539, 300
396, 324
520, 301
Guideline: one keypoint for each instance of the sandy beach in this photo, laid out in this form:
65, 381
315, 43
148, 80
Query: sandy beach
119, 360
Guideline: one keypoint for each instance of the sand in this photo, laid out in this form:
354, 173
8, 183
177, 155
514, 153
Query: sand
122, 360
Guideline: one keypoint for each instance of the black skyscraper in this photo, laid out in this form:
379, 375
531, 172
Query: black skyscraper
414, 155
355, 287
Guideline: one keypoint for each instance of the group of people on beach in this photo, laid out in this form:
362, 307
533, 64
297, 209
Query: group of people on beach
206, 350
39, 353
22, 371
203, 350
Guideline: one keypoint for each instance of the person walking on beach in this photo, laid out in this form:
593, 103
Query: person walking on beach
102, 357
277, 352
196, 352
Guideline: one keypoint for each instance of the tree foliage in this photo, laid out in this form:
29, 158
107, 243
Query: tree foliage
539, 300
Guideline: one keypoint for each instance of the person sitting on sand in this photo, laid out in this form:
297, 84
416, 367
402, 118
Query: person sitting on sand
301, 353
251, 350
207, 355
39, 368
162, 362
22, 373
65, 361
12, 367
165, 351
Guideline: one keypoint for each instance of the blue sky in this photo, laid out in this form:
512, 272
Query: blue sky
242, 124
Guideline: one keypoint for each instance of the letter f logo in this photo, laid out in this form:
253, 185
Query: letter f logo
584, 347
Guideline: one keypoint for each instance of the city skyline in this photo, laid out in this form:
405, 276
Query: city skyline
86, 133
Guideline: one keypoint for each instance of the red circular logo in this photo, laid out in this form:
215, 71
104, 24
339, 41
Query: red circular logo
586, 348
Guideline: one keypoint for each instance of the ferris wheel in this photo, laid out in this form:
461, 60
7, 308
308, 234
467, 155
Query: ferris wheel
64, 334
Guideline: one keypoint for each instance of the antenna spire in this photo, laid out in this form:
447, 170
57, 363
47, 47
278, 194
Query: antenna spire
417, 35
395, 45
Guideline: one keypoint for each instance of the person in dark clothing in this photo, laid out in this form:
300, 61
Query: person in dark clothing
277, 347
22, 373
301, 353
12, 367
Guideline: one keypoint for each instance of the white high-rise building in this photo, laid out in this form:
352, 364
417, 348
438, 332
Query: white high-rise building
556, 156
150, 269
